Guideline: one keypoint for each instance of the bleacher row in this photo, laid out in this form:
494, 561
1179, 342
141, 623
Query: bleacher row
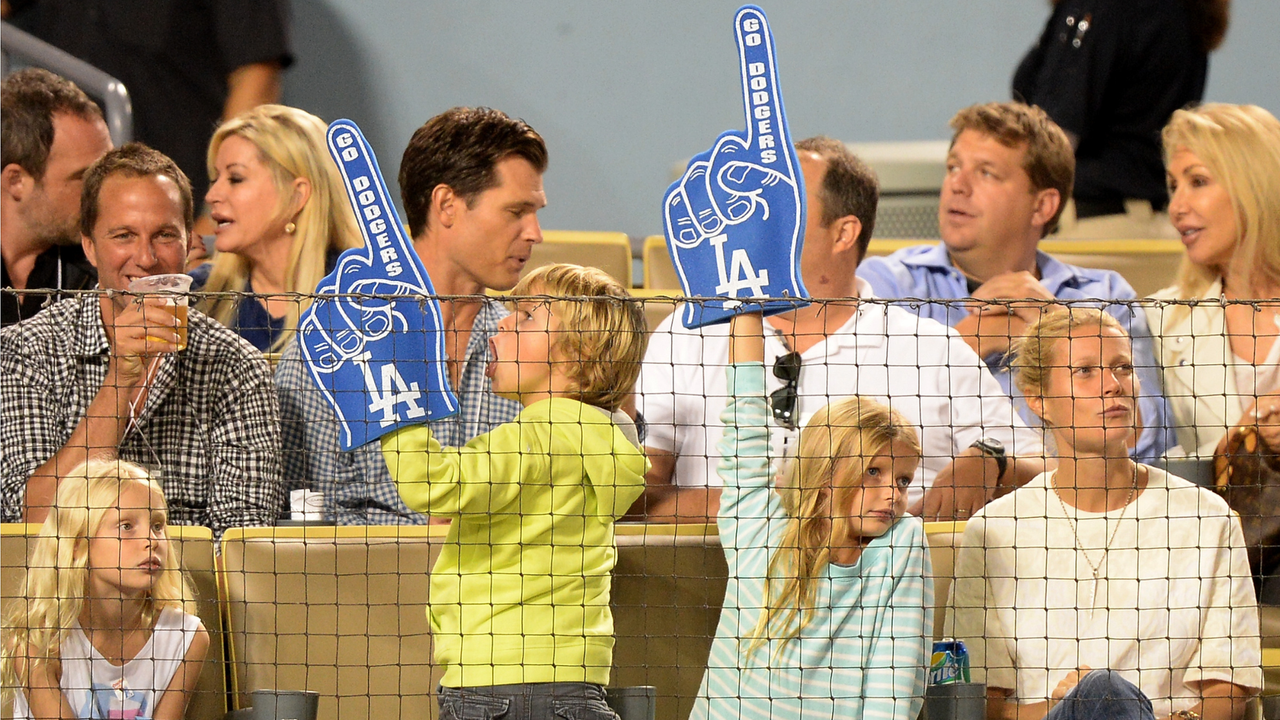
1148, 265
342, 611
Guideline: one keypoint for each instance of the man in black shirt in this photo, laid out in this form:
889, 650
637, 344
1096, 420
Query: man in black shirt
52, 133
1110, 73
188, 64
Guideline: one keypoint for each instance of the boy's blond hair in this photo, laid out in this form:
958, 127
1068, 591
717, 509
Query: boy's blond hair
602, 333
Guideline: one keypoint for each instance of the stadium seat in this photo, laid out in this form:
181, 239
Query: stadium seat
659, 272
194, 548
609, 251
667, 590
658, 304
944, 541
341, 611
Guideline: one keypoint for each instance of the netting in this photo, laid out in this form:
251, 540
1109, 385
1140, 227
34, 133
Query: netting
539, 552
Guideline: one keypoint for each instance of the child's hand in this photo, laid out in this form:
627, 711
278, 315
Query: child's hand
747, 338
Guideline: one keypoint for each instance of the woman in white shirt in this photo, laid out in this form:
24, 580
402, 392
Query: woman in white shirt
1105, 588
1220, 352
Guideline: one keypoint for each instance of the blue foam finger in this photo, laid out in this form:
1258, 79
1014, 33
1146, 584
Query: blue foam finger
735, 220
373, 341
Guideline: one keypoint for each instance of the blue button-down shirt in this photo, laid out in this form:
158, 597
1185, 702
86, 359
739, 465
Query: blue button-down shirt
926, 272
357, 487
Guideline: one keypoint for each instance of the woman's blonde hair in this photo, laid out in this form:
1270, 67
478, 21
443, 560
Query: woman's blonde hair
291, 142
1033, 357
853, 431
602, 330
57, 577
1240, 147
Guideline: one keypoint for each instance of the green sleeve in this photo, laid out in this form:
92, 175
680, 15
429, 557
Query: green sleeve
478, 477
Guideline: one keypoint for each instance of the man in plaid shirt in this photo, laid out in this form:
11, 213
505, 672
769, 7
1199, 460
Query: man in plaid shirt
108, 374
471, 182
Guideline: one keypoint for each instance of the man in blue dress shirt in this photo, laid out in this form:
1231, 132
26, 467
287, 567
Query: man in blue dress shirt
1009, 172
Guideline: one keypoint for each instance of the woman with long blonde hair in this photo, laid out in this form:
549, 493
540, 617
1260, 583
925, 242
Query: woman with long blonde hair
282, 217
105, 625
1217, 336
827, 613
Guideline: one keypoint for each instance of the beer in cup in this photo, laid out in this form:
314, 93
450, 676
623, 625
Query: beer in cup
173, 288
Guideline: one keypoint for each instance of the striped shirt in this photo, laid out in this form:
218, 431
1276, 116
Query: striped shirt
863, 652
356, 485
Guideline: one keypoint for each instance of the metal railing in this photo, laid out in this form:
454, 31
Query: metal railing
31, 50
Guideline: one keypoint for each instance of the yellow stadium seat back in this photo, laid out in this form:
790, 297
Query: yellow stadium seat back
658, 304
340, 611
668, 587
944, 541
659, 271
194, 548
878, 247
1148, 265
609, 251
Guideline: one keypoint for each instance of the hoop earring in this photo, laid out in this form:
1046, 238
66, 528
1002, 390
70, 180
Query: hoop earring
290, 228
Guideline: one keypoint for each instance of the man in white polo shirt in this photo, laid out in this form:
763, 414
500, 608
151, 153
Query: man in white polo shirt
972, 439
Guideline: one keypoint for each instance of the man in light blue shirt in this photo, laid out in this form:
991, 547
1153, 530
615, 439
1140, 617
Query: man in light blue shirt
1009, 172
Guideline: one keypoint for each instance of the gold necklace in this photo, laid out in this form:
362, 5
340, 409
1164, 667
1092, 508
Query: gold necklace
1075, 533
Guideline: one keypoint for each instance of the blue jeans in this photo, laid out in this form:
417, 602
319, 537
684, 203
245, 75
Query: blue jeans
1103, 695
527, 701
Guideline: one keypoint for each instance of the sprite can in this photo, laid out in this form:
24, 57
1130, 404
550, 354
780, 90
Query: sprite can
949, 664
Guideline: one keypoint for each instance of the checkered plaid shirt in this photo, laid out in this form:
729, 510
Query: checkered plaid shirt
209, 428
357, 487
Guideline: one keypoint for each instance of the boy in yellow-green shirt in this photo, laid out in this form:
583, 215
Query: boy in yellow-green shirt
519, 605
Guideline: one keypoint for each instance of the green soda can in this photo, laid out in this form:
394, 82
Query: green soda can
950, 663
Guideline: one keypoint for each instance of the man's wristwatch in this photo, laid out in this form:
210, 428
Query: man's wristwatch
1187, 715
993, 449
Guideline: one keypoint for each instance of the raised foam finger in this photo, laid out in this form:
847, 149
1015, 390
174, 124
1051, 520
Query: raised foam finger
761, 98
387, 247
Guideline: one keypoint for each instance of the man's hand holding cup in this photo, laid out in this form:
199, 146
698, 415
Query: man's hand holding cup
153, 324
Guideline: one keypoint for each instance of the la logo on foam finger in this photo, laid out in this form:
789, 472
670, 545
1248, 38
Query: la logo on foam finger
735, 220
374, 342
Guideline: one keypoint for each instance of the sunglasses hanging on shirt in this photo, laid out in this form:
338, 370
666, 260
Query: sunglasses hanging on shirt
785, 400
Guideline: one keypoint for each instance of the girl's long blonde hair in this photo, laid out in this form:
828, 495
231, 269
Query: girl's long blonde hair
853, 431
57, 579
291, 142
1240, 146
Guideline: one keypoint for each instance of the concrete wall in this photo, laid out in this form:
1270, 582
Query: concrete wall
621, 91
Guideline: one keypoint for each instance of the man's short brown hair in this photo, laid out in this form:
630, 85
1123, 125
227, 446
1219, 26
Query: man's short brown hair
132, 160
1049, 160
461, 148
849, 186
28, 101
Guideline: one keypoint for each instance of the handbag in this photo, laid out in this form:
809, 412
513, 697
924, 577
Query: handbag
1247, 475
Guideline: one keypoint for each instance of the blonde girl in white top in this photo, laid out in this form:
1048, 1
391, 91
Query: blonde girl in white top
104, 627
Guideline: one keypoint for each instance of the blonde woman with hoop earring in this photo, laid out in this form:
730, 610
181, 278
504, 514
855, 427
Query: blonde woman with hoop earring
281, 217
1104, 588
1219, 341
